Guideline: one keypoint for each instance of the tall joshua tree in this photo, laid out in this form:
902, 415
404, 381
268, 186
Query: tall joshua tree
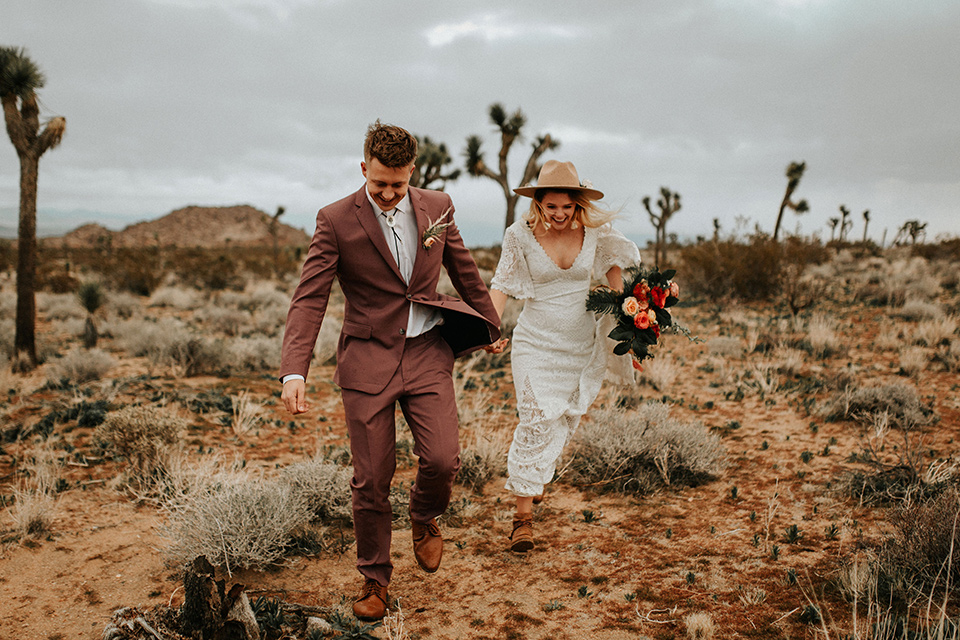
510, 127
669, 204
866, 223
20, 78
431, 159
794, 173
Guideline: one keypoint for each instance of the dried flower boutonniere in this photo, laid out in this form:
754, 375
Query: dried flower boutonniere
434, 229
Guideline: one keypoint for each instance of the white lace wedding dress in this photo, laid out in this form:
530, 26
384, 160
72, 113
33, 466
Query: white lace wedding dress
560, 351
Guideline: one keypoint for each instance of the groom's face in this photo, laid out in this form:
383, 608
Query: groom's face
387, 185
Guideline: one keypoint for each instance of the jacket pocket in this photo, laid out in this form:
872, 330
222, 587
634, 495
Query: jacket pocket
355, 330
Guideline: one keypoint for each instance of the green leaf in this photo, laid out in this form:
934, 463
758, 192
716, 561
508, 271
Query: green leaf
621, 332
622, 348
669, 273
670, 301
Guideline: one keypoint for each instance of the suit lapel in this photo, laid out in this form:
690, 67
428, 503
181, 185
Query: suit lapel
368, 220
420, 209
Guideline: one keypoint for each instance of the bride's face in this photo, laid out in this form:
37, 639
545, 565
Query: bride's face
558, 209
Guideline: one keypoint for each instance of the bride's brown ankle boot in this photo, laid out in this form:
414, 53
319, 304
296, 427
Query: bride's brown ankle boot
522, 537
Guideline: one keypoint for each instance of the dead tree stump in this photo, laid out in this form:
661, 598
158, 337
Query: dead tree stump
209, 610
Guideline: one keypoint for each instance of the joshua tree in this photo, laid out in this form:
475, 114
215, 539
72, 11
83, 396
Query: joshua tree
794, 173
866, 223
669, 204
509, 127
914, 229
845, 222
20, 77
833, 222
274, 230
91, 298
431, 158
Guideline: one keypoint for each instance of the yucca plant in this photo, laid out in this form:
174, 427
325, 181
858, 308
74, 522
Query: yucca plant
91, 298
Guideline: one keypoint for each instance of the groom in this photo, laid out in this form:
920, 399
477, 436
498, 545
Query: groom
385, 244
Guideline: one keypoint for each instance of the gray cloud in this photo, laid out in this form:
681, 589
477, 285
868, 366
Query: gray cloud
176, 102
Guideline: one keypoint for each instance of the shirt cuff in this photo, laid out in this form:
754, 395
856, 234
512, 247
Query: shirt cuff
292, 376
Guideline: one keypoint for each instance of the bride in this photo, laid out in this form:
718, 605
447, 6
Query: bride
560, 355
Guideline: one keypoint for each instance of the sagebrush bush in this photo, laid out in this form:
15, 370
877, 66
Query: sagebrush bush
899, 402
913, 360
661, 372
822, 336
79, 366
175, 297
935, 332
916, 309
256, 353
224, 319
246, 525
147, 436
171, 343
643, 450
324, 487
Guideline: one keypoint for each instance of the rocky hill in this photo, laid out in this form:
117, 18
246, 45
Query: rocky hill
192, 226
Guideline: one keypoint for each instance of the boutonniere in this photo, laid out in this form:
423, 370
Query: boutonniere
434, 229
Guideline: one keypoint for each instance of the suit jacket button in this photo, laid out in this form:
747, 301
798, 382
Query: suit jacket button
403, 332
409, 296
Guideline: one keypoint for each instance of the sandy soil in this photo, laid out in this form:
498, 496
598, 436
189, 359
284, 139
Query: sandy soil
636, 569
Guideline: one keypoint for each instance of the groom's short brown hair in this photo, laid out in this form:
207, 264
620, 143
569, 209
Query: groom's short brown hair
391, 145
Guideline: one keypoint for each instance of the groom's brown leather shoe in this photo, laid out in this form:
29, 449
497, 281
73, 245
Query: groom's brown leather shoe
427, 545
371, 604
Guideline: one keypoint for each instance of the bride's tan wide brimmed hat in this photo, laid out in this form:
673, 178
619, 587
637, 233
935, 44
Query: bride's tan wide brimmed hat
559, 175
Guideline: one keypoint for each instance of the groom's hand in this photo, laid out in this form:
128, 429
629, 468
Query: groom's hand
294, 396
498, 346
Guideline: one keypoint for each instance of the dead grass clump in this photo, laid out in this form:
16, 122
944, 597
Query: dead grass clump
917, 309
147, 436
899, 402
822, 336
699, 626
935, 332
640, 451
483, 459
78, 367
725, 346
176, 298
324, 487
34, 501
913, 361
661, 372
244, 525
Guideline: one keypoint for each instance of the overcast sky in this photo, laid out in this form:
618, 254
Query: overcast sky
265, 102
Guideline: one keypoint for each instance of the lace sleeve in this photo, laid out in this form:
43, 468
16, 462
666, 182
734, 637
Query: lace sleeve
513, 276
613, 250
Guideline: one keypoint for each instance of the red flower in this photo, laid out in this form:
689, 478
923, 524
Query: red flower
641, 321
636, 364
641, 290
656, 330
658, 295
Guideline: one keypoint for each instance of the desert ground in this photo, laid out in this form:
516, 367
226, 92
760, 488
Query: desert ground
766, 543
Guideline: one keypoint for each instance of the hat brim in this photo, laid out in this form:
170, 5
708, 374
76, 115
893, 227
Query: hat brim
591, 194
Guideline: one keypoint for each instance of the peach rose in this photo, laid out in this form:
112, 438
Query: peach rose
674, 289
644, 303
631, 307
429, 242
652, 316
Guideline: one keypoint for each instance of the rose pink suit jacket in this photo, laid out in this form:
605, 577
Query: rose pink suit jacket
349, 244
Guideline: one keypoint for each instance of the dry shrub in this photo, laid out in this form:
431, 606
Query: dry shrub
748, 270
176, 298
223, 319
643, 450
923, 554
725, 346
661, 372
243, 525
822, 336
256, 353
172, 344
78, 367
324, 487
916, 309
147, 436
899, 402
34, 497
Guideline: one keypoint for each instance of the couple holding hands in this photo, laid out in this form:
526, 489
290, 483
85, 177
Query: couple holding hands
385, 244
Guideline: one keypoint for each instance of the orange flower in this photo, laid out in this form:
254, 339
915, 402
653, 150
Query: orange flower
641, 290
674, 289
429, 242
652, 316
644, 303
636, 364
641, 321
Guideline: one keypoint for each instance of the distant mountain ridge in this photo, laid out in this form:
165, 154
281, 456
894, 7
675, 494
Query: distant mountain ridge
192, 226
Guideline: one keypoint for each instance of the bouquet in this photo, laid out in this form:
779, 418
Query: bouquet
640, 310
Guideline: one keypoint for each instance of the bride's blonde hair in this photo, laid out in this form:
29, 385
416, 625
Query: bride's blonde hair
586, 211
